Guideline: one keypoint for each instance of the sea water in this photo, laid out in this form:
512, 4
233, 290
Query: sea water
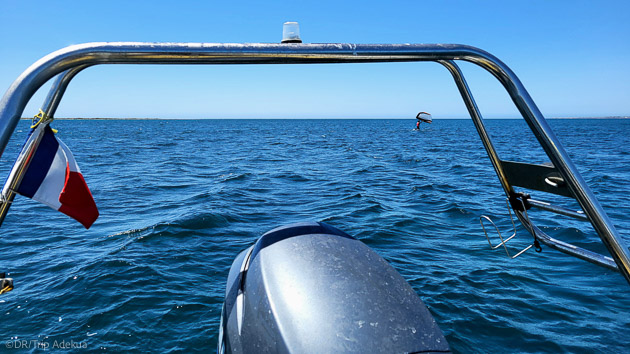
179, 199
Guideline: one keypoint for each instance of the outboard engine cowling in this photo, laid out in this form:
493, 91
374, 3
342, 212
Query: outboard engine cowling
310, 288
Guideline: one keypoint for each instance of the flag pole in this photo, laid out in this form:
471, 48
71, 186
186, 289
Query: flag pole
21, 166
47, 111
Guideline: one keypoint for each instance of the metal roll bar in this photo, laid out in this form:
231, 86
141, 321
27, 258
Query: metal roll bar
49, 108
473, 110
75, 58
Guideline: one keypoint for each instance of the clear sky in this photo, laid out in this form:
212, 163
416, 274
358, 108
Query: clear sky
572, 56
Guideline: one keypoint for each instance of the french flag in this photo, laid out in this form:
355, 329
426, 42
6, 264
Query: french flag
53, 178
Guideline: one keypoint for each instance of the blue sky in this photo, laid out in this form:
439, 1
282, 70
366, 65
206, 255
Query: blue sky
570, 55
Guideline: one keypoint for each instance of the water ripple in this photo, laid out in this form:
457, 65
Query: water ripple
177, 208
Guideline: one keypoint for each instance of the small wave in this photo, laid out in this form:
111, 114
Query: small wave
230, 177
167, 144
408, 160
205, 221
353, 196
175, 228
601, 179
368, 169
171, 186
374, 208
291, 176
431, 186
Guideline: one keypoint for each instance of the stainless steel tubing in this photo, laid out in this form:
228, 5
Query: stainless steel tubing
568, 248
473, 110
49, 108
58, 88
560, 159
17, 96
19, 93
558, 210
547, 240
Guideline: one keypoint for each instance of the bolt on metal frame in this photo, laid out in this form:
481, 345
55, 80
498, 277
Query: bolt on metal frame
68, 62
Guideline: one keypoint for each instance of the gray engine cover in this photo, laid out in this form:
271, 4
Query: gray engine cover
310, 288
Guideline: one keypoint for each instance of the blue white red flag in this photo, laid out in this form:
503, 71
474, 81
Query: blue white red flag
53, 177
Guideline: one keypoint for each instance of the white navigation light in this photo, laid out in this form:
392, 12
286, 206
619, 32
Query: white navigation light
291, 33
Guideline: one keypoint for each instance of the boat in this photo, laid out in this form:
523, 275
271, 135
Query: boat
309, 287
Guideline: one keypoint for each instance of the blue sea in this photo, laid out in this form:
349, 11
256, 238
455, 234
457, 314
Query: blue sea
179, 199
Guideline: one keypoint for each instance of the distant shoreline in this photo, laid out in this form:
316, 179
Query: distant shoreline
411, 118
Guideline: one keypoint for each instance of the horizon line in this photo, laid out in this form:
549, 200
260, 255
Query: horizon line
321, 118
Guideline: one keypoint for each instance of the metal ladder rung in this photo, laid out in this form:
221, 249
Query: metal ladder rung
558, 210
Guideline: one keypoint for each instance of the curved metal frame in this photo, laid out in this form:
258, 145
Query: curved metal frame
78, 57
49, 108
558, 245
